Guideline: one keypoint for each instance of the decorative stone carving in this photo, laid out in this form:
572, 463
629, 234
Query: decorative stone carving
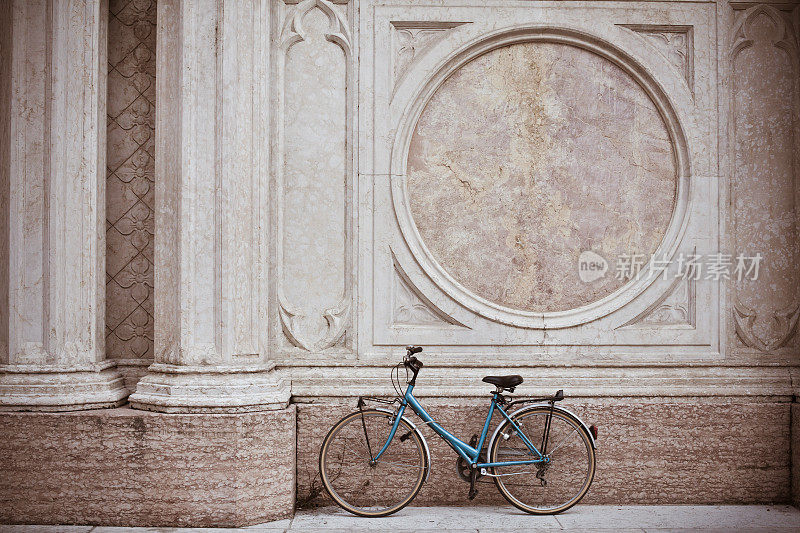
411, 308
675, 308
675, 42
313, 168
765, 133
336, 319
411, 38
53, 357
130, 179
785, 324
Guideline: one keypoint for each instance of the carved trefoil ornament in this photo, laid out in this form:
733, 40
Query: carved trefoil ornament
785, 323
410, 39
765, 135
676, 308
411, 308
313, 158
676, 43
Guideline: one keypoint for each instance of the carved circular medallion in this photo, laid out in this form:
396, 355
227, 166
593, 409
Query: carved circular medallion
527, 156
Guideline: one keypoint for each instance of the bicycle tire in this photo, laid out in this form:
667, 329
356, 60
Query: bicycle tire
350, 498
560, 418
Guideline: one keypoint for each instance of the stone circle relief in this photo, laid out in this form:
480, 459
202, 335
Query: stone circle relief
530, 154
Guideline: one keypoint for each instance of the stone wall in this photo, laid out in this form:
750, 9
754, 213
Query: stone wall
795, 433
282, 194
121, 467
649, 450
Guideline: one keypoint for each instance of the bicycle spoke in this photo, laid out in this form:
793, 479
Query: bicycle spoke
564, 440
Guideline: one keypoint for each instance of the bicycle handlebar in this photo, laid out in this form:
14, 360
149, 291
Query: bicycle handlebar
412, 362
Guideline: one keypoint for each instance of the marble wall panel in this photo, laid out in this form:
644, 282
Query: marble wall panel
529, 155
314, 185
499, 144
765, 115
130, 181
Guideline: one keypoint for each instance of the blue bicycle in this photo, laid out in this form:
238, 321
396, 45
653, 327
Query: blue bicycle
369, 472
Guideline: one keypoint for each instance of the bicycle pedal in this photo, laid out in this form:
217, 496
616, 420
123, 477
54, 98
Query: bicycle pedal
472, 493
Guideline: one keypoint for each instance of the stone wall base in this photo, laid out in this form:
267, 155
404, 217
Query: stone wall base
650, 450
123, 467
796, 453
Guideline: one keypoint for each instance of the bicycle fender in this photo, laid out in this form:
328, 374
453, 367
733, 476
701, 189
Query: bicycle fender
419, 434
546, 405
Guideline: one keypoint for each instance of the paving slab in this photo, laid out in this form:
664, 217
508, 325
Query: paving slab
44, 529
650, 517
484, 519
421, 518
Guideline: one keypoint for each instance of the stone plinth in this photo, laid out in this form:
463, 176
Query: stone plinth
121, 467
59, 388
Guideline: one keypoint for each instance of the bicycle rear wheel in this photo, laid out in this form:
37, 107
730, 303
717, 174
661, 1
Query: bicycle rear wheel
367, 488
548, 488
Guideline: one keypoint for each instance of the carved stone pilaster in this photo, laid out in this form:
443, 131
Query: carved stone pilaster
211, 184
53, 179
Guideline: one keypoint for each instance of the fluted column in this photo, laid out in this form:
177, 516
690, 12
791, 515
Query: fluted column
211, 213
52, 269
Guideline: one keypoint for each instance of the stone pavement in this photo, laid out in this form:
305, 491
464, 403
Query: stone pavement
584, 518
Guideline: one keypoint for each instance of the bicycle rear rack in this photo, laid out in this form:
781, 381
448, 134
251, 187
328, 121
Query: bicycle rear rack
548, 399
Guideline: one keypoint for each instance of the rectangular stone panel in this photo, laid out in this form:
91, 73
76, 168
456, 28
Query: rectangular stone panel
649, 451
123, 467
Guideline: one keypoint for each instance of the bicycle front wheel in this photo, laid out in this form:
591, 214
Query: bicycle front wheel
372, 488
552, 487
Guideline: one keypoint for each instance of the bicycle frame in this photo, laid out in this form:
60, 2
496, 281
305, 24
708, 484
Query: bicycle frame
467, 452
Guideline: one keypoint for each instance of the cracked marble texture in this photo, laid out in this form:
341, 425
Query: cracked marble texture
530, 154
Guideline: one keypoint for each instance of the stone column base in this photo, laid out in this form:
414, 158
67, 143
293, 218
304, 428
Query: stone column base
120, 467
204, 389
55, 388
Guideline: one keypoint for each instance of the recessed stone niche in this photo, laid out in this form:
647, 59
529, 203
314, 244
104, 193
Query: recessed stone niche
527, 156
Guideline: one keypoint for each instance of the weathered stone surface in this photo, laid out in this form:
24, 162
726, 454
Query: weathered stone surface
530, 154
764, 177
123, 467
795, 433
649, 450
53, 194
130, 184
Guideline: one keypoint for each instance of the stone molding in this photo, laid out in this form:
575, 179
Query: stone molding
453, 380
199, 389
60, 389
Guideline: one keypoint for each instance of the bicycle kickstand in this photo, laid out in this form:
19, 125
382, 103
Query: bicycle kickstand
472, 478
